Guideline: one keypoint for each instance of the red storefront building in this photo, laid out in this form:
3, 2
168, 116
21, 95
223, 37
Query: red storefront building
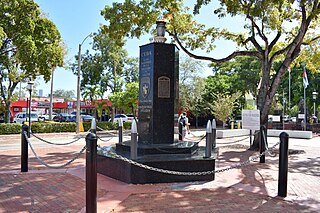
42, 106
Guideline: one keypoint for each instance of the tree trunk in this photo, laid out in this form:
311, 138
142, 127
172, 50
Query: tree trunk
7, 114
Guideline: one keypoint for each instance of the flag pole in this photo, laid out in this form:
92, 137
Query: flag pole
304, 110
305, 85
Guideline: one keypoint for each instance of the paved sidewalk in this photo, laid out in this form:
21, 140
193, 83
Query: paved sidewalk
248, 189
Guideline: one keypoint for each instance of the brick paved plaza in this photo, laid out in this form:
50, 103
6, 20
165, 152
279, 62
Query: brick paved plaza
248, 189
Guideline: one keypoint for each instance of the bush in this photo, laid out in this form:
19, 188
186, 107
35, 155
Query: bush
49, 127
10, 128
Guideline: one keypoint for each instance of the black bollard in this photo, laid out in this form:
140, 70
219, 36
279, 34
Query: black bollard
24, 148
91, 173
283, 164
134, 141
93, 126
208, 148
120, 131
214, 133
180, 131
262, 144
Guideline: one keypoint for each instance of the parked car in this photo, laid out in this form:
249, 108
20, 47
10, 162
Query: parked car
293, 119
85, 118
130, 117
62, 117
23, 116
45, 117
118, 116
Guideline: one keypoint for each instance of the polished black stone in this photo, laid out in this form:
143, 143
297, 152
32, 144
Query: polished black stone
129, 173
178, 148
158, 93
157, 118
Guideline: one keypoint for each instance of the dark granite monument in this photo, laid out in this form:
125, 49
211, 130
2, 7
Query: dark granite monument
158, 93
158, 145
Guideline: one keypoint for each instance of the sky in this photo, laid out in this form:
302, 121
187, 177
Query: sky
76, 19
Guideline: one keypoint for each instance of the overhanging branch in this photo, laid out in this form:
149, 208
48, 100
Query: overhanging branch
231, 56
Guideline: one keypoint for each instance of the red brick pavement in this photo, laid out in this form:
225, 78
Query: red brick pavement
206, 200
242, 190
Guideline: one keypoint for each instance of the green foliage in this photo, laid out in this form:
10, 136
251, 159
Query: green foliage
10, 128
67, 95
191, 86
52, 127
108, 69
100, 107
223, 105
130, 97
127, 100
46, 127
31, 46
282, 31
240, 74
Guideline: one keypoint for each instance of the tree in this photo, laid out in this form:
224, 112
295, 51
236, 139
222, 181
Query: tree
30, 46
67, 95
127, 100
191, 86
93, 93
267, 35
223, 106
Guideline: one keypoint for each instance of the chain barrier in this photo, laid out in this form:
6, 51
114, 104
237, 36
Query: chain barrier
47, 165
58, 144
101, 129
110, 153
203, 137
231, 142
104, 140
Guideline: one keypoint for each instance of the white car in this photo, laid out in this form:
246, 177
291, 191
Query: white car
44, 117
117, 118
23, 116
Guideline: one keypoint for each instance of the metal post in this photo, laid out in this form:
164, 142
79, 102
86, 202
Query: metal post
78, 85
239, 125
29, 116
214, 134
289, 105
78, 91
304, 110
283, 164
262, 144
134, 141
120, 131
250, 137
91, 173
208, 140
93, 126
24, 149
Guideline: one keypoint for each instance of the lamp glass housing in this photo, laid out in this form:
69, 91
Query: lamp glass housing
314, 95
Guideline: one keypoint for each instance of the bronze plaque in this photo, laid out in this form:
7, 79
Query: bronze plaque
163, 87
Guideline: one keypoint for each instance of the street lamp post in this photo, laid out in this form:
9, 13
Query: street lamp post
314, 95
78, 84
30, 84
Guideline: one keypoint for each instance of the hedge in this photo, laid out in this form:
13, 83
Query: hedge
50, 127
